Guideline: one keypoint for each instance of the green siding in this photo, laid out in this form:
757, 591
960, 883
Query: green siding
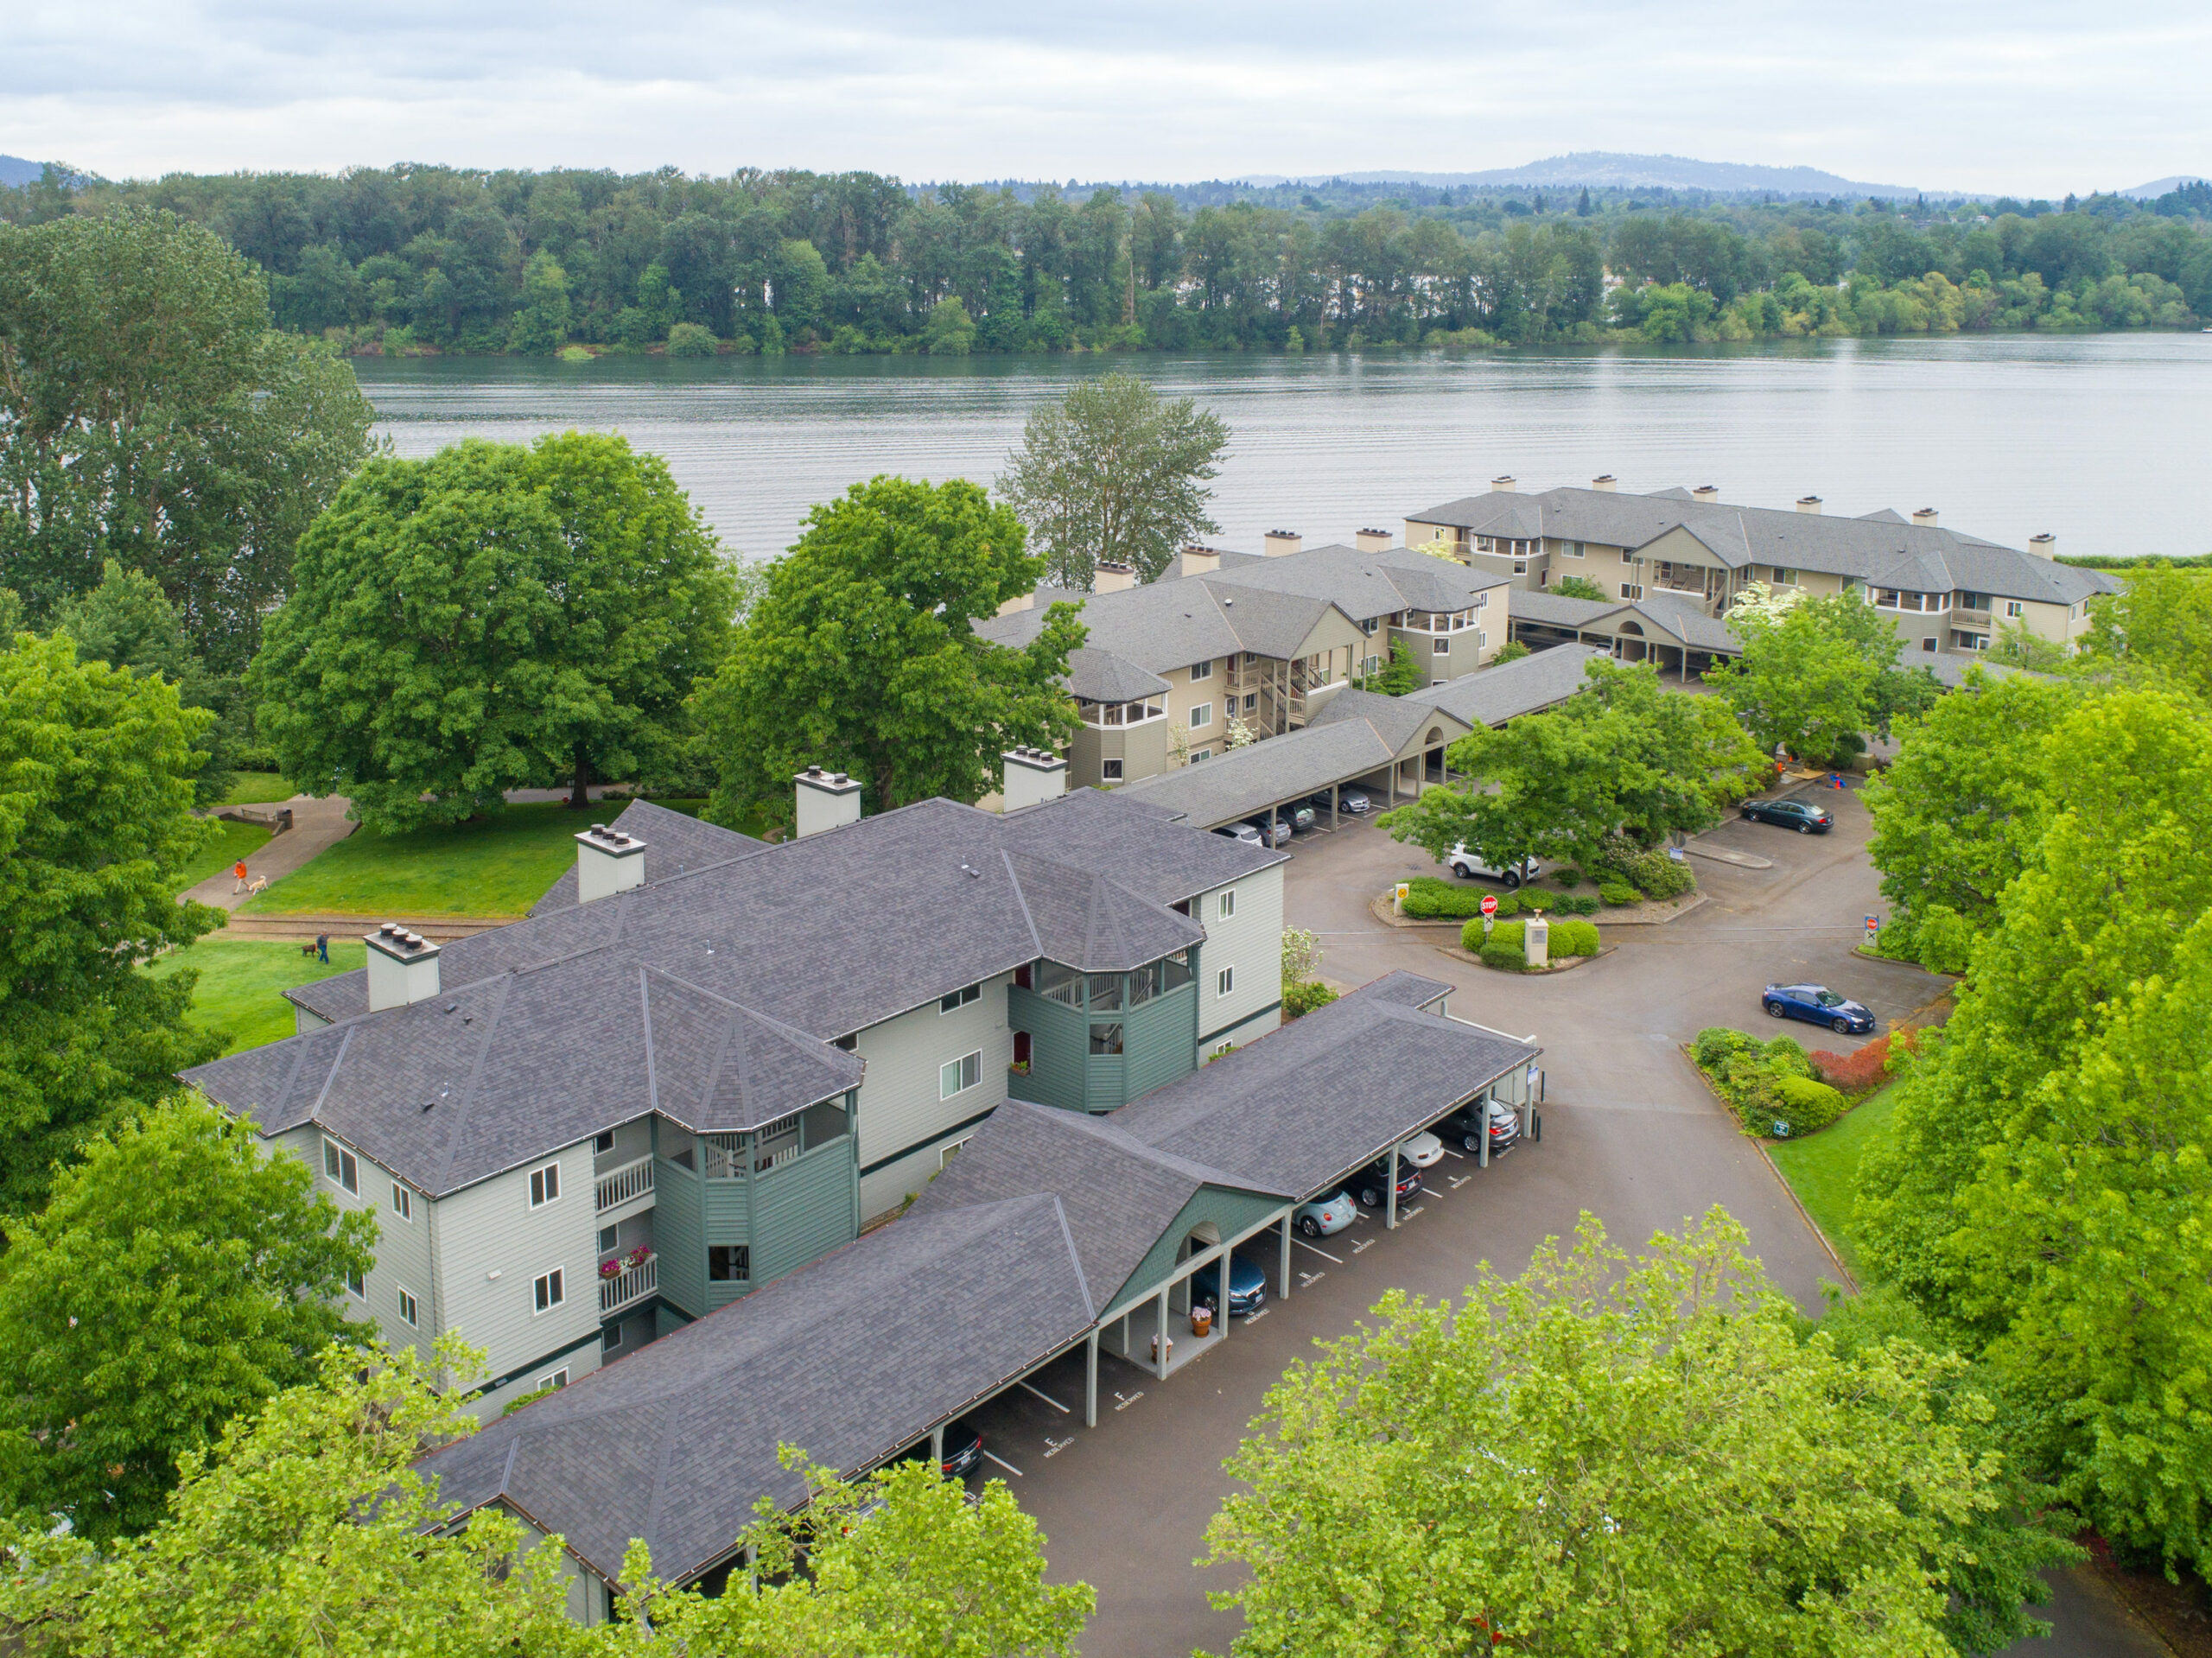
804, 1210
679, 1234
729, 1220
1059, 1048
1159, 1042
1231, 1212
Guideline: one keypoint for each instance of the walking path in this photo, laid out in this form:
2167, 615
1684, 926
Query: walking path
318, 825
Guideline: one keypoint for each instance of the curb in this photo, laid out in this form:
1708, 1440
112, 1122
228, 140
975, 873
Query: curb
1379, 907
1828, 1246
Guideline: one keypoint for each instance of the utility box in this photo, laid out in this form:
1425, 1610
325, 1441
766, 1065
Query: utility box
1537, 942
1398, 895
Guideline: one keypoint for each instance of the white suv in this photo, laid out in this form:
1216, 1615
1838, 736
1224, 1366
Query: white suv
1466, 863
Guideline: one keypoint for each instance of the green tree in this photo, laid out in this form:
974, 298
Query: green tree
541, 325
1962, 811
899, 1565
1625, 756
96, 826
492, 618
1402, 673
179, 1276
951, 331
1511, 650
305, 1529
862, 655
1577, 587
1603, 1457
2157, 628
1816, 677
690, 339
148, 415
126, 623
1115, 474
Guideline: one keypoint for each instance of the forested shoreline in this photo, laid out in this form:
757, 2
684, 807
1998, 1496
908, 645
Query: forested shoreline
418, 259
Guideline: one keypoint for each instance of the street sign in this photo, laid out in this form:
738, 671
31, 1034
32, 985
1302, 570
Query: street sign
1873, 926
1490, 904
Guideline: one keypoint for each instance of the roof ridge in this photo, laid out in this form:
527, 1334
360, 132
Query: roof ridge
1074, 1256
475, 1074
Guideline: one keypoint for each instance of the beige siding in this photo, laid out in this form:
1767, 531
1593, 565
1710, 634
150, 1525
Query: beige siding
898, 1100
1251, 942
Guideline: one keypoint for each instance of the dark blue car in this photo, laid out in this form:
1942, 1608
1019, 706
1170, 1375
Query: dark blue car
1818, 1005
1247, 1287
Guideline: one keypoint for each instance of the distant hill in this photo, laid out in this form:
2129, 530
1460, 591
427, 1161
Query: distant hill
2159, 186
1609, 167
14, 170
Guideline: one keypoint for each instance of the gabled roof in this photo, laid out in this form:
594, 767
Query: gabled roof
1085, 920
1397, 720
854, 1358
1102, 676
1118, 1193
674, 843
1558, 610
1301, 1107
1246, 780
1490, 697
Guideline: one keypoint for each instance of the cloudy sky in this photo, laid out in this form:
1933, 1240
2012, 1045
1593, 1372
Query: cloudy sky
1990, 95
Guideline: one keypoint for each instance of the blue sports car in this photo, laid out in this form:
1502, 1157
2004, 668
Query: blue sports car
1818, 1005
1247, 1286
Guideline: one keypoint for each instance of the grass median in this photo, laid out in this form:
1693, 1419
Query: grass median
1822, 1169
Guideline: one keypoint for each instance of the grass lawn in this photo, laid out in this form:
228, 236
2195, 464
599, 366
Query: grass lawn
231, 843
256, 788
497, 867
1821, 1167
239, 979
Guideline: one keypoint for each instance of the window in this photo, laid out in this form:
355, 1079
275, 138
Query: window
1627, 556
1201, 670
958, 998
558, 1379
1784, 577
544, 1185
946, 1154
729, 1263
403, 1202
958, 1075
550, 1291
340, 1164
1201, 714
1110, 771
1198, 754
609, 1236
2012, 608
356, 1286
1572, 548
611, 1339
1251, 702
1520, 567
602, 1144
1482, 640
1369, 627
1632, 590
1225, 905
1928, 643
1106, 1039
1482, 600
1225, 983
407, 1307
1439, 647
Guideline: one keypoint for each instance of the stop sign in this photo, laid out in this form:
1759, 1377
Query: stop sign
1490, 904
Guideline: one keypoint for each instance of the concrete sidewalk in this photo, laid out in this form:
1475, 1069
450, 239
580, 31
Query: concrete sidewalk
318, 825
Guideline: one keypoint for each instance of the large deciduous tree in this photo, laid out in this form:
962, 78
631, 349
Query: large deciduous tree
148, 415
1115, 474
492, 618
2157, 629
179, 1276
1816, 675
96, 826
1607, 1456
861, 655
1624, 756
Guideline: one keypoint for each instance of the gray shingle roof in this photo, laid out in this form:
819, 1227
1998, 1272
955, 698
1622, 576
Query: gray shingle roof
1363, 585
1686, 620
1302, 1106
1104, 678
1396, 720
801, 942
674, 844
1246, 780
851, 1359
1557, 610
1490, 697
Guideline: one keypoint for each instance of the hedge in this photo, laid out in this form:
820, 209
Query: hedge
1769, 1085
1505, 960
1302, 997
1575, 904
1805, 1107
1429, 897
1619, 892
1868, 1068
1650, 870
1574, 938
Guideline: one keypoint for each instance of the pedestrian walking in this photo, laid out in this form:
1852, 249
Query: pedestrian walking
238, 877
322, 948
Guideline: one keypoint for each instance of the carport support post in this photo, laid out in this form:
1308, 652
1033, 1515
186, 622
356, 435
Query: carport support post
1391, 1201
937, 1448
1335, 796
1285, 1278
1160, 1356
1090, 1380
1482, 1117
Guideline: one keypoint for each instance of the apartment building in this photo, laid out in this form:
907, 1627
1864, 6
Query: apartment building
703, 1062
1263, 638
1669, 564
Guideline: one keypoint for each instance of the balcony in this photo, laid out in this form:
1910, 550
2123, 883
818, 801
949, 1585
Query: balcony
1964, 617
631, 1181
631, 1284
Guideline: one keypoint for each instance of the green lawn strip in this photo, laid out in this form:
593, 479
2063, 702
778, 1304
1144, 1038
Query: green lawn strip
231, 841
1821, 1168
496, 866
256, 788
239, 979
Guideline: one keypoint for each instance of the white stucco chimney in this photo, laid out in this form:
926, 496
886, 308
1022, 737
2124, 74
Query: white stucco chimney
608, 860
2044, 545
1506, 483
1809, 503
1108, 576
402, 968
1276, 542
827, 800
1925, 518
1031, 776
1371, 541
1707, 492
1606, 482
1200, 561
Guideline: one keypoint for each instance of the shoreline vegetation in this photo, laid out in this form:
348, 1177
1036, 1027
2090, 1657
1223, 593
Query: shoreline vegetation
412, 260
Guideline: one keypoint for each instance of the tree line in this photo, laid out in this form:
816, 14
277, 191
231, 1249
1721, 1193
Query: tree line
413, 258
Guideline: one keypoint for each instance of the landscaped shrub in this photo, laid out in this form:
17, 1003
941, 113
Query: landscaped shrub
1574, 938
1801, 1107
1431, 898
1768, 1084
1567, 875
1509, 932
1786, 1054
1534, 902
1575, 904
1302, 997
1715, 1043
1869, 1068
1498, 955
1619, 892
1649, 869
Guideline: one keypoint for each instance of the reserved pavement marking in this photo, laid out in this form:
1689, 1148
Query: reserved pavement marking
1056, 1446
1253, 1318
1459, 1181
1324, 1253
1123, 1402
1047, 1397
1408, 1214
1307, 1281
1004, 1463
1362, 1244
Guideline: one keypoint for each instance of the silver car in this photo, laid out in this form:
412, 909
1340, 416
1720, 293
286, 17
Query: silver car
1331, 1215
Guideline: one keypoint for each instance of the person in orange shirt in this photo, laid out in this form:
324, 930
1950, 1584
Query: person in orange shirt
238, 876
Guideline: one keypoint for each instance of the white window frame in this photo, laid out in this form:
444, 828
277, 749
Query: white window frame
1928, 643
1482, 640
1201, 714
403, 1202
1225, 983
341, 1167
357, 1285
1441, 646
946, 1154
410, 1311
1628, 555
1198, 754
603, 1143
1202, 670
959, 999
1631, 591
559, 1379
1111, 771
1224, 904
956, 1072
2014, 610
545, 1185
1784, 576
1571, 549
549, 1291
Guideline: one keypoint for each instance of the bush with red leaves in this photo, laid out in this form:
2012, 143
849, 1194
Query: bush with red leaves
1854, 1073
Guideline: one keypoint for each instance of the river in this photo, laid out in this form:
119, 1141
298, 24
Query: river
2103, 440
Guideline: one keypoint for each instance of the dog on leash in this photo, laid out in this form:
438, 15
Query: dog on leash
258, 884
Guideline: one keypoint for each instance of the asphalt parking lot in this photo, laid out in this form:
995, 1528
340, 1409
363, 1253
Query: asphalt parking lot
1630, 1133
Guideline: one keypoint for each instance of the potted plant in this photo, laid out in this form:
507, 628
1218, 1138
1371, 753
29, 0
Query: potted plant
1201, 1320
638, 1257
610, 1269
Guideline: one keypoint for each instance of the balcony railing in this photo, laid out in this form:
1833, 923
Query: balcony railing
1970, 618
620, 1185
631, 1284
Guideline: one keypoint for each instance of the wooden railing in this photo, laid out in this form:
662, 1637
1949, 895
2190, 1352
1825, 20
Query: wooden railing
631, 1284
620, 1185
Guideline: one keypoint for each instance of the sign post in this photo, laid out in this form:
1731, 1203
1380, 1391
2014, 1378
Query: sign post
1490, 912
